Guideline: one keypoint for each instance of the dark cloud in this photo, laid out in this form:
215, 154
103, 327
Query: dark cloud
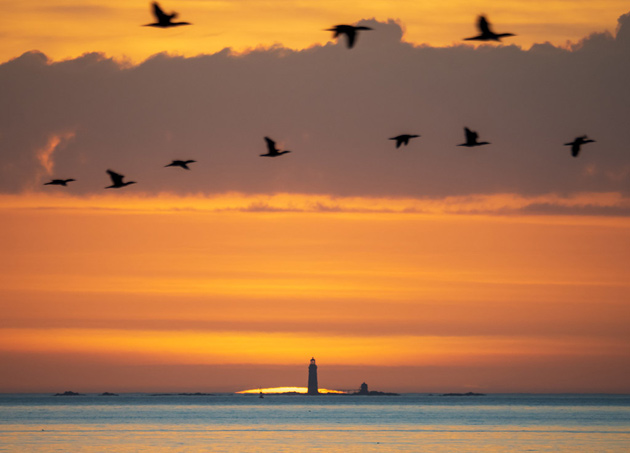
623, 31
335, 109
555, 209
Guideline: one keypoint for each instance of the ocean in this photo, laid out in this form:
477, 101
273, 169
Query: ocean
325, 423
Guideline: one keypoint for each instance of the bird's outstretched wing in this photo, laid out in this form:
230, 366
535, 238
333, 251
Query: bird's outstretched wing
116, 178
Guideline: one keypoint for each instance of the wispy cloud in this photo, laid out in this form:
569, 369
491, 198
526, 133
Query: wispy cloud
45, 154
586, 204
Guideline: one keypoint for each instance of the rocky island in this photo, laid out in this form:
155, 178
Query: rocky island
364, 391
68, 393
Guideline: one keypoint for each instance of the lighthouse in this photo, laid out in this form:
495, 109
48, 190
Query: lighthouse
313, 389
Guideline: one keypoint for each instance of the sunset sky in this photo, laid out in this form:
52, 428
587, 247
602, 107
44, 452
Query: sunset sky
428, 268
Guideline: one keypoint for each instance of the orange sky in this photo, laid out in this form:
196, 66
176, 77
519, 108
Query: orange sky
431, 269
205, 288
69, 28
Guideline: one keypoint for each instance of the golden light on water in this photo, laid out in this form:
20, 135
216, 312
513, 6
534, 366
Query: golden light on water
288, 390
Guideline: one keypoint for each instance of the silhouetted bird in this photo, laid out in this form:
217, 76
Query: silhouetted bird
486, 33
575, 144
164, 20
471, 139
273, 151
181, 163
349, 30
117, 180
59, 182
403, 139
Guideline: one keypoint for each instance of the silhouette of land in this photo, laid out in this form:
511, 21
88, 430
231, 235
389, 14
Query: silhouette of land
69, 393
485, 33
313, 387
364, 391
464, 394
182, 394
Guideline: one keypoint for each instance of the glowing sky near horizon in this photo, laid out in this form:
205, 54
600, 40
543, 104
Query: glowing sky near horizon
384, 289
425, 268
287, 390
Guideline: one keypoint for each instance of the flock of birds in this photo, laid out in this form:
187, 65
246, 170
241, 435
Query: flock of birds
350, 31
164, 20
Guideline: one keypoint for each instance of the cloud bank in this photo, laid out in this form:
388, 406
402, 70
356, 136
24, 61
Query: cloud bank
584, 204
335, 109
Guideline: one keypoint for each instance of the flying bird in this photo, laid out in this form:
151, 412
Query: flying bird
117, 180
486, 34
575, 144
181, 163
471, 139
59, 182
164, 20
272, 150
349, 30
403, 139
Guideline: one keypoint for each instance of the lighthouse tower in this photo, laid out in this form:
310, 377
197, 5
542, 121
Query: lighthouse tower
313, 389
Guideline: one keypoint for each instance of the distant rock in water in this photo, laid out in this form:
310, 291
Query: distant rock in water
109, 394
69, 393
464, 394
195, 394
364, 391
376, 393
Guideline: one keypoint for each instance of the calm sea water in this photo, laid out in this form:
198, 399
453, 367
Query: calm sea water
245, 423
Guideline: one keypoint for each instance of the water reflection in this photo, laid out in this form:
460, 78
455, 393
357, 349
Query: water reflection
247, 424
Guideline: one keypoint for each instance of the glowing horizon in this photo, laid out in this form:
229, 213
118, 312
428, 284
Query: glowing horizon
289, 390
508, 204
